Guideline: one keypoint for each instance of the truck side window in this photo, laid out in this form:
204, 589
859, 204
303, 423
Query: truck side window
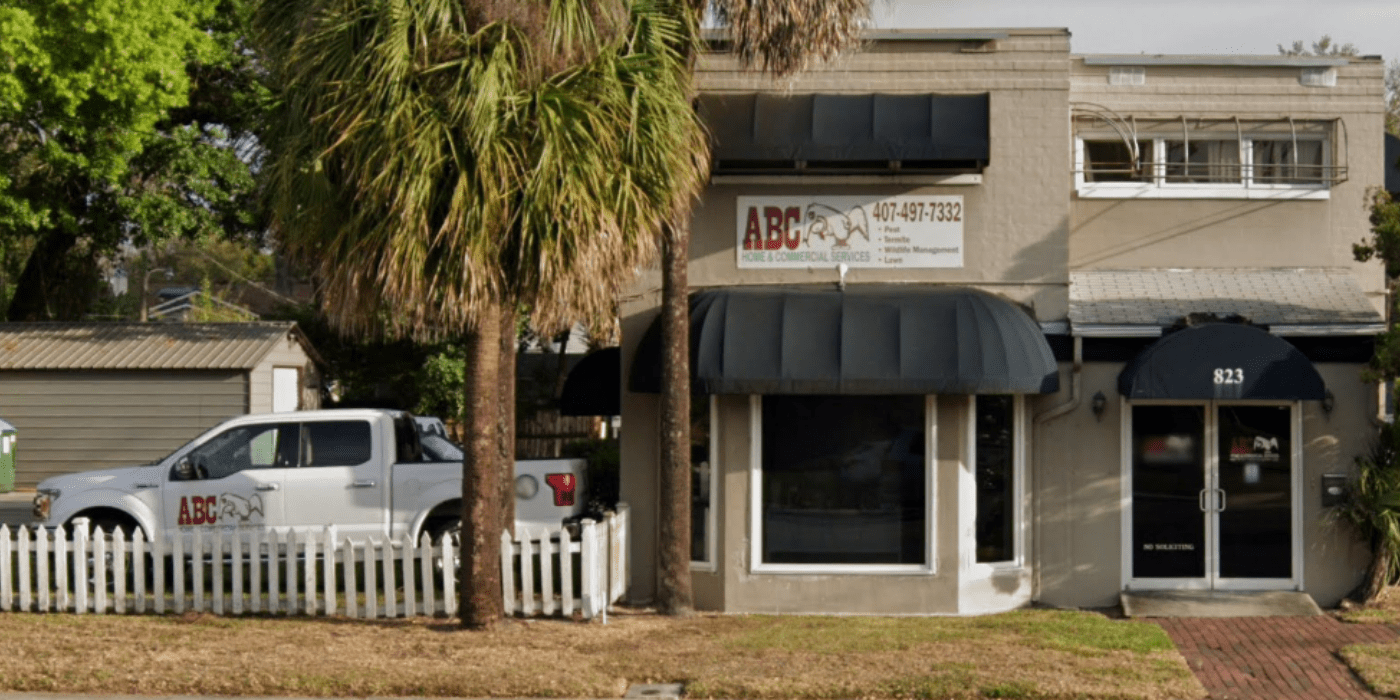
265, 446
339, 443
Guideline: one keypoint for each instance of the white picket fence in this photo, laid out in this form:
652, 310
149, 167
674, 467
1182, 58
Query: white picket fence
235, 573
544, 563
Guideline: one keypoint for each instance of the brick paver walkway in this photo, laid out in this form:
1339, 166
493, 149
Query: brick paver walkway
1273, 658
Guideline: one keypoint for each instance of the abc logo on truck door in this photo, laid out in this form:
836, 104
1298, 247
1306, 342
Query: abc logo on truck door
229, 508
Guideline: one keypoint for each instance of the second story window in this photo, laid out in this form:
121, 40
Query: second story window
1207, 160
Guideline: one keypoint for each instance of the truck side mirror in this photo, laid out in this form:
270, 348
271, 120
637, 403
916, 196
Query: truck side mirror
184, 469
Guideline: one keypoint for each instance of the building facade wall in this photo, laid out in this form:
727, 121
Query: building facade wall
72, 421
1026, 229
1078, 489
1208, 233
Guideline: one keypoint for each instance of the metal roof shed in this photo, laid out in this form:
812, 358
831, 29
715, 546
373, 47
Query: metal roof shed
99, 395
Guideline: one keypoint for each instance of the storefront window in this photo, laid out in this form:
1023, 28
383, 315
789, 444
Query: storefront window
843, 480
996, 478
700, 475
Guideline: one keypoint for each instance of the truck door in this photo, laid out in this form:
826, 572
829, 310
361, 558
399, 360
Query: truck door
340, 481
234, 481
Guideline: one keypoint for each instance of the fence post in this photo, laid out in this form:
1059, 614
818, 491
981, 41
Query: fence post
546, 573
6, 553
309, 574
410, 557
425, 567
265, 540
118, 571
566, 572
177, 562
507, 571
290, 561
391, 603
138, 568
235, 559
351, 592
527, 572
371, 584
216, 559
41, 561
80, 567
158, 558
328, 568
24, 580
588, 540
449, 576
197, 564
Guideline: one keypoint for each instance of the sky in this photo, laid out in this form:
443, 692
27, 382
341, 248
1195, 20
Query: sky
1241, 27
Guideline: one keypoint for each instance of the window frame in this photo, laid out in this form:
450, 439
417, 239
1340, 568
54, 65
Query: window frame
756, 563
1159, 188
1018, 489
711, 562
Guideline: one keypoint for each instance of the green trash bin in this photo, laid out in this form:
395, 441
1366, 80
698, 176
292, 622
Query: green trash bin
8, 435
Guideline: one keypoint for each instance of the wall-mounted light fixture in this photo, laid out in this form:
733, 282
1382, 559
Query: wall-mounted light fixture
1328, 402
1098, 404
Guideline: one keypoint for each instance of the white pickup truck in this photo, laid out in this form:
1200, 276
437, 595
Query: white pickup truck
366, 471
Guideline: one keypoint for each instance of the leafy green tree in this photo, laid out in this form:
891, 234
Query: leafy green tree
119, 123
1384, 244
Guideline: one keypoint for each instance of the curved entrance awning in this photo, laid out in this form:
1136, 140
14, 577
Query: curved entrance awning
869, 339
1221, 361
593, 385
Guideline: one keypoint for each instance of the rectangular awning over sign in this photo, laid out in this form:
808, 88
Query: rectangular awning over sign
753, 132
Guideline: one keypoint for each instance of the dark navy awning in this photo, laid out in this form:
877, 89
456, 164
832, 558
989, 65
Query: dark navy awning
594, 385
1221, 361
869, 339
917, 130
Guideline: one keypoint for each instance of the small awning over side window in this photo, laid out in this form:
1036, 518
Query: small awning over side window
917, 132
593, 385
870, 339
1221, 361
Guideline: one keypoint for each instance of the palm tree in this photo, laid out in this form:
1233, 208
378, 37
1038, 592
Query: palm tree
1371, 506
439, 161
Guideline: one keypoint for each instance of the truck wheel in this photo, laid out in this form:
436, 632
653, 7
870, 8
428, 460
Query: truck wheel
452, 527
437, 527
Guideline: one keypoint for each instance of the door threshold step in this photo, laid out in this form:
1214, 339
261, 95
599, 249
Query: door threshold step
1218, 604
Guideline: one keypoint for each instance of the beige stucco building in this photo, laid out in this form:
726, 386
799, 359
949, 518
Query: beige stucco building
978, 322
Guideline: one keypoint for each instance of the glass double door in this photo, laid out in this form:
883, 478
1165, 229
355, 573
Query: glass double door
1212, 489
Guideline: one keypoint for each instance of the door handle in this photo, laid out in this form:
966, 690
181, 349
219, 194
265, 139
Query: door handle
1201, 500
363, 484
266, 487
1221, 509
145, 486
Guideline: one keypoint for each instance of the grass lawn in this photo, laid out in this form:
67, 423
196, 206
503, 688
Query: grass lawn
1040, 654
1378, 665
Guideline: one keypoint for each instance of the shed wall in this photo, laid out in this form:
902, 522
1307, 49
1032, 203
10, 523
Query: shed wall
79, 421
287, 353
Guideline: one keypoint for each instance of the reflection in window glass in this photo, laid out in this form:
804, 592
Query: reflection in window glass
843, 480
996, 478
1204, 160
245, 447
1274, 162
341, 443
700, 465
1112, 161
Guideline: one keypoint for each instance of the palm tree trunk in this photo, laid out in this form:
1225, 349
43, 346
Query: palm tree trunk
481, 605
1378, 574
505, 424
674, 596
